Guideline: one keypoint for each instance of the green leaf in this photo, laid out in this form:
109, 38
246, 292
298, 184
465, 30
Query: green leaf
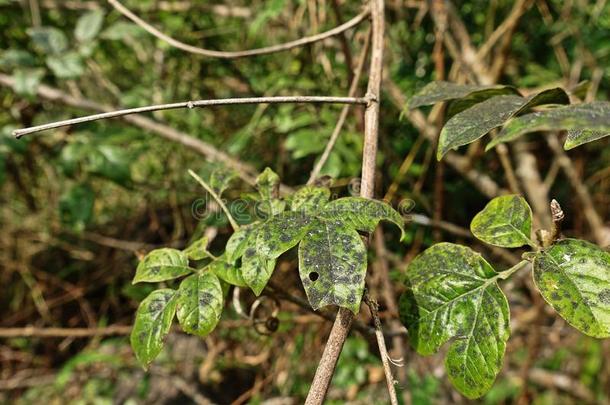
281, 233
268, 183
362, 214
200, 302
16, 58
445, 91
49, 40
221, 178
198, 250
76, 206
122, 30
89, 25
256, 269
473, 123
66, 66
227, 272
161, 265
573, 276
332, 265
592, 117
110, 162
505, 221
453, 296
310, 198
239, 241
581, 136
27, 81
458, 105
153, 322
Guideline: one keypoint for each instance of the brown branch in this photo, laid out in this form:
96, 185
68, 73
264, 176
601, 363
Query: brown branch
383, 351
342, 324
238, 54
192, 104
344, 112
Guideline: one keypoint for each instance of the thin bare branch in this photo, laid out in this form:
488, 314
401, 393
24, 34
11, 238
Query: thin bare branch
238, 54
192, 104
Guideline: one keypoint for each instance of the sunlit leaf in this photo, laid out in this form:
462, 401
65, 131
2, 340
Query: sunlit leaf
573, 276
592, 117
198, 250
161, 265
505, 221
153, 322
89, 25
200, 302
332, 265
452, 296
444, 91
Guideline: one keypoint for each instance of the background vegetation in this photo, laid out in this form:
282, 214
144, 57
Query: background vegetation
79, 205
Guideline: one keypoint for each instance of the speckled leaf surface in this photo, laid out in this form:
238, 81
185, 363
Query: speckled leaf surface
505, 221
256, 269
200, 303
581, 136
198, 250
162, 264
310, 198
362, 214
591, 117
153, 322
227, 272
281, 233
573, 276
476, 121
239, 241
444, 91
332, 265
452, 295
221, 178
267, 183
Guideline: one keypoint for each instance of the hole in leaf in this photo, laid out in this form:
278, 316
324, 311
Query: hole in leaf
313, 276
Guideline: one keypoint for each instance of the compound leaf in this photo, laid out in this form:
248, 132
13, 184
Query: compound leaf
593, 117
505, 221
332, 265
453, 295
361, 213
153, 322
573, 276
200, 301
161, 265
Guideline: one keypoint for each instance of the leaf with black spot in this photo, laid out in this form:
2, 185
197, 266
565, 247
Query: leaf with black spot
281, 233
452, 296
332, 265
310, 198
256, 269
227, 272
573, 276
200, 301
161, 265
153, 322
505, 221
240, 240
362, 214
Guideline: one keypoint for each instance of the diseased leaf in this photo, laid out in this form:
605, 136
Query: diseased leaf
221, 178
200, 302
453, 296
458, 105
573, 276
161, 265
256, 269
332, 265
153, 322
476, 121
281, 233
239, 241
89, 25
362, 214
444, 91
505, 221
227, 272
310, 198
593, 117
581, 136
268, 183
198, 250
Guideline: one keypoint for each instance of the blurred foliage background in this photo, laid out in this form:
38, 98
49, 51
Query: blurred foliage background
80, 204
